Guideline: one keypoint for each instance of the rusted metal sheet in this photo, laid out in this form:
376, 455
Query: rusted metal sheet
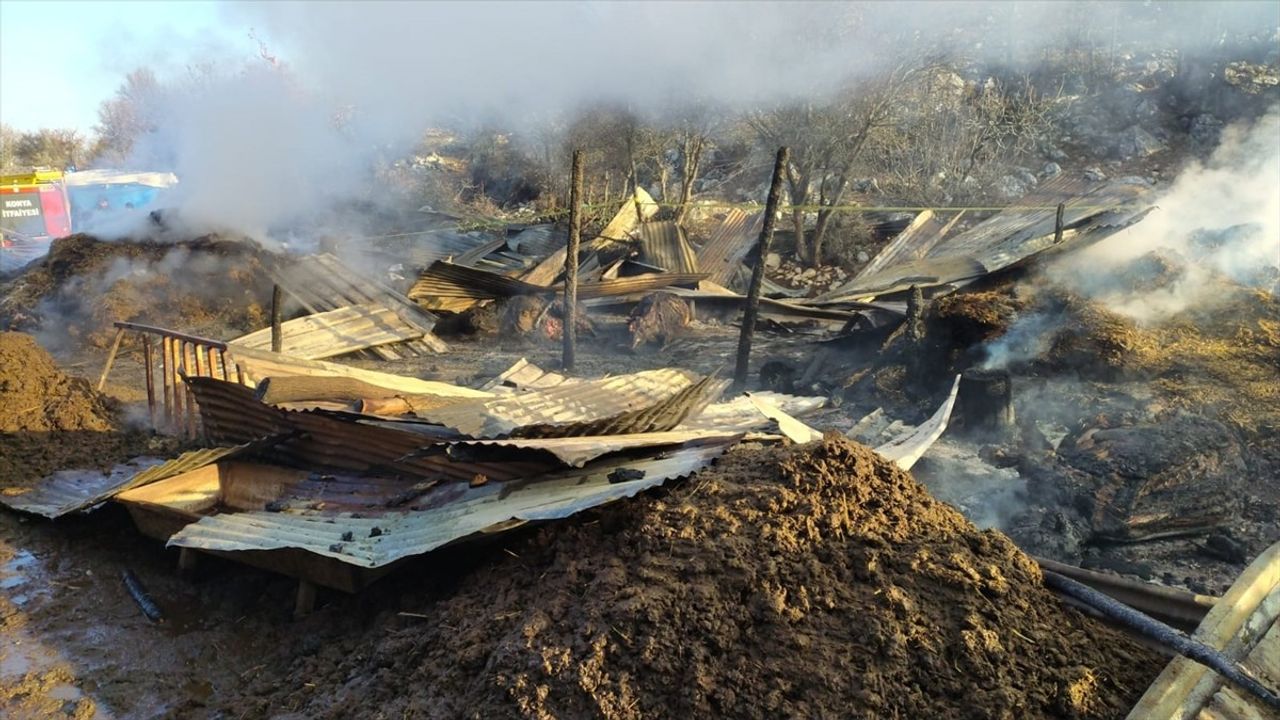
663, 245
451, 513
729, 244
336, 332
578, 451
442, 284
618, 230
322, 283
650, 401
318, 440
711, 295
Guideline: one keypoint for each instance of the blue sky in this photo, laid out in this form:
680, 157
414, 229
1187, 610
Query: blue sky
59, 59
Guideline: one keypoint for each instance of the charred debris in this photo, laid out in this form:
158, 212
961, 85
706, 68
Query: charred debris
320, 439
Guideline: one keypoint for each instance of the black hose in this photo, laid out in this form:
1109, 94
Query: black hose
140, 596
1177, 640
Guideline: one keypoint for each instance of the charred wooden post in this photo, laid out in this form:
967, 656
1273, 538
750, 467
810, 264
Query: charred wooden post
570, 334
151, 389
752, 308
277, 313
111, 358
1057, 224
305, 600
915, 315
985, 402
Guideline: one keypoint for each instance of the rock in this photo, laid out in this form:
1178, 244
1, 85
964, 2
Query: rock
772, 261
1093, 174
1135, 142
1205, 130
863, 258
808, 274
1011, 186
1050, 169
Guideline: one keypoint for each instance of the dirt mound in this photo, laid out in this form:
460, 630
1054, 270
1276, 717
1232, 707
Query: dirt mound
36, 396
51, 421
208, 285
816, 581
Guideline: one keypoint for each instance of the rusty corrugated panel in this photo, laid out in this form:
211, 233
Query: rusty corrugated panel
444, 281
724, 251
619, 229
663, 244
336, 332
578, 451
319, 440
455, 513
636, 284
322, 283
639, 402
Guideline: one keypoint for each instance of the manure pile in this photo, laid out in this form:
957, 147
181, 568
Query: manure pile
813, 581
50, 420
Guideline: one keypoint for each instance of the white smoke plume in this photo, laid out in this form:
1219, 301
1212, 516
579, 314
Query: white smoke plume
1219, 217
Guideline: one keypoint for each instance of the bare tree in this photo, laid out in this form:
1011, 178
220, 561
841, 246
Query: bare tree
826, 143
125, 117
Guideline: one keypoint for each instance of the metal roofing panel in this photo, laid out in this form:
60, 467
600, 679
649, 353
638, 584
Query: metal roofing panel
445, 280
258, 364
741, 415
663, 245
795, 430
322, 283
524, 375
578, 451
336, 332
67, 491
648, 401
913, 243
472, 511
723, 253
618, 230
909, 447
316, 439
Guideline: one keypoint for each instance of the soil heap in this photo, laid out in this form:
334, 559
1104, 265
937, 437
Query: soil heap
811, 581
208, 285
51, 421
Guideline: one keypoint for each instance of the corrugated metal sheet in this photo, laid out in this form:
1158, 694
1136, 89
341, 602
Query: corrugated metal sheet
443, 281
663, 245
619, 229
258, 364
336, 332
650, 401
67, 491
636, 284
231, 413
741, 415
795, 430
524, 375
909, 447
322, 283
538, 241
1008, 237
468, 512
724, 251
578, 451
1245, 626
913, 243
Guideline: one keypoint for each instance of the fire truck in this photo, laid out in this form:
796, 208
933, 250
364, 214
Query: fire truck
37, 207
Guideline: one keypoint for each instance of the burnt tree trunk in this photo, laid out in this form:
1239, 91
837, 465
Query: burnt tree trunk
571, 263
984, 404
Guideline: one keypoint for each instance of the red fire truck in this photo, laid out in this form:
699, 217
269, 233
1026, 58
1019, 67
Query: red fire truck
34, 210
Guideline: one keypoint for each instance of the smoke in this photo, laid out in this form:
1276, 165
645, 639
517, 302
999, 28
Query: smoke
265, 146
1219, 219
